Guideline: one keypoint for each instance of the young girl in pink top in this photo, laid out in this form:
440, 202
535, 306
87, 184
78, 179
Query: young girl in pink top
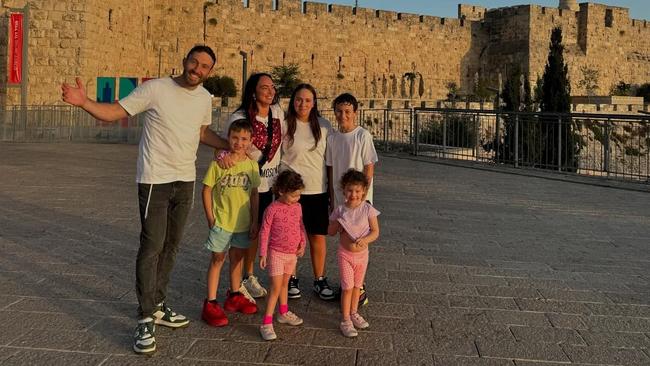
282, 240
356, 221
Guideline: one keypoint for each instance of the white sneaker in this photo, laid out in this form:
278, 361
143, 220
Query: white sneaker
289, 318
244, 291
358, 321
253, 286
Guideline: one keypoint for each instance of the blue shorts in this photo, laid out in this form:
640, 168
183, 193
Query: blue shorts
219, 240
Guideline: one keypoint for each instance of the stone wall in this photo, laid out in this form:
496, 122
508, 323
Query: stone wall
339, 48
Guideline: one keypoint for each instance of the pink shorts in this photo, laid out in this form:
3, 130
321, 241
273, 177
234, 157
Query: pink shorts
278, 263
352, 267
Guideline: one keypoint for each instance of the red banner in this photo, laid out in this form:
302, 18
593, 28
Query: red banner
15, 48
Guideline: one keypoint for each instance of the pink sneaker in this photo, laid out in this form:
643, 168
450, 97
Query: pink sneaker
358, 321
347, 328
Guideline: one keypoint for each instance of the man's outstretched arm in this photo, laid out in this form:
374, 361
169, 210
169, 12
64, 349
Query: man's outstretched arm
76, 95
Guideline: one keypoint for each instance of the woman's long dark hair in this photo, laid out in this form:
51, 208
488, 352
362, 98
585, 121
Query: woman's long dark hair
248, 105
292, 116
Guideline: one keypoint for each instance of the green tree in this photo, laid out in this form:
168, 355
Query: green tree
644, 91
521, 132
622, 89
286, 78
221, 86
452, 91
560, 143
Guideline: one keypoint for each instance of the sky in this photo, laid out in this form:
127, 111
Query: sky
639, 9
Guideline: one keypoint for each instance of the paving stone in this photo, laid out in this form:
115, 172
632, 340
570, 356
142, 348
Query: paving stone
478, 280
228, 351
638, 311
525, 318
286, 334
155, 360
521, 350
41, 357
11, 331
367, 339
374, 358
631, 299
446, 344
420, 276
306, 355
445, 288
482, 302
618, 324
441, 360
433, 268
547, 335
504, 291
388, 310
431, 299
537, 283
535, 363
85, 307
615, 339
576, 296
398, 325
47, 320
610, 356
553, 306
567, 321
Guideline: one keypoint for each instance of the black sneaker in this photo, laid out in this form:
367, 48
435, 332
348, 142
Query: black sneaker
164, 315
363, 296
144, 341
323, 289
294, 290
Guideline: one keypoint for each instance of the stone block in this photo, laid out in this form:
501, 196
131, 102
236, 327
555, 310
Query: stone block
615, 339
525, 318
521, 351
550, 306
481, 302
601, 355
373, 358
228, 351
442, 360
306, 355
547, 335
368, 339
42, 357
567, 321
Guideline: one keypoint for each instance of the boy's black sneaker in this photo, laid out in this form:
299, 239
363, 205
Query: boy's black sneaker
363, 296
294, 290
144, 341
164, 315
323, 289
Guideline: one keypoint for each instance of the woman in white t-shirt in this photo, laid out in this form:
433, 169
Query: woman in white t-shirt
303, 151
260, 106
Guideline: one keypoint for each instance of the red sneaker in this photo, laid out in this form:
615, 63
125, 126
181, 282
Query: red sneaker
213, 314
239, 302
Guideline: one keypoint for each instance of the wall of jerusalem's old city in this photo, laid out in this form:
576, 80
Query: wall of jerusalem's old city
338, 48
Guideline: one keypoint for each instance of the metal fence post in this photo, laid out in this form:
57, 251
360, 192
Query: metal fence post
385, 129
416, 135
445, 116
606, 147
476, 137
559, 143
516, 140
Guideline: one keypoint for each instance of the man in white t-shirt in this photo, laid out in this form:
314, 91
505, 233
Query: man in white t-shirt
177, 113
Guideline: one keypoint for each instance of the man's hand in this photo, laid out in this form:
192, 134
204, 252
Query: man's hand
75, 95
263, 262
224, 161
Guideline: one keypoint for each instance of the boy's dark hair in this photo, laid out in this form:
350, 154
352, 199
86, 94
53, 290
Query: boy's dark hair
241, 124
354, 177
203, 48
346, 98
288, 181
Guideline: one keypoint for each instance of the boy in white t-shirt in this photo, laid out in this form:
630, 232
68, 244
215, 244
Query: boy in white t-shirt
349, 147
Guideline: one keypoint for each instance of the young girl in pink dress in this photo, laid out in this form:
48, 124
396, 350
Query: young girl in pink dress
357, 225
282, 240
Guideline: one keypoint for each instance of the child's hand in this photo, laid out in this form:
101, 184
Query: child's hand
263, 262
361, 243
211, 223
252, 234
301, 251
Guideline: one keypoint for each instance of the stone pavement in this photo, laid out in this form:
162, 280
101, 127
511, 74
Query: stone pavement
473, 267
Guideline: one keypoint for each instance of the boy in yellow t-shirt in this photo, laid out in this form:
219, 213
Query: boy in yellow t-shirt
231, 202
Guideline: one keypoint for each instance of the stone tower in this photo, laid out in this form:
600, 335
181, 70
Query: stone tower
569, 5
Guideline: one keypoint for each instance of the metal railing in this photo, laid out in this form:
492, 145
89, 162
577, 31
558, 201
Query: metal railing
614, 146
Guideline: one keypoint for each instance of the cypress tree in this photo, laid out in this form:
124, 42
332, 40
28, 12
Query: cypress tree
558, 134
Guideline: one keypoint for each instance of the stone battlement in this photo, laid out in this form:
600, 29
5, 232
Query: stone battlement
369, 52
